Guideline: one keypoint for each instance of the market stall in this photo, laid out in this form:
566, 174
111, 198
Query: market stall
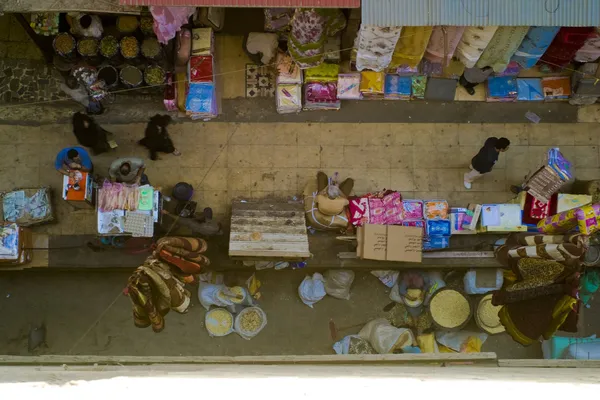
128, 210
27, 207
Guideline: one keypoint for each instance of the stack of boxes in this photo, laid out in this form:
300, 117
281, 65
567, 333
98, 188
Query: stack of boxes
201, 100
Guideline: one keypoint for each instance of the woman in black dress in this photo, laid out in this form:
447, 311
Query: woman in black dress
157, 139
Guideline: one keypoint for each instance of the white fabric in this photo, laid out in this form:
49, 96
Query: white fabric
264, 43
375, 46
473, 43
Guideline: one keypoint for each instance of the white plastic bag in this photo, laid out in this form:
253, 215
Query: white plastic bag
338, 282
459, 341
353, 344
386, 338
472, 286
207, 294
312, 289
388, 278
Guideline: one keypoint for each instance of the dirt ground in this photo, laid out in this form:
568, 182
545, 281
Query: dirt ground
71, 302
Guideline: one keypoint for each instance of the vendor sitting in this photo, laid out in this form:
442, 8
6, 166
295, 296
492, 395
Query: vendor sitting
73, 159
331, 198
128, 170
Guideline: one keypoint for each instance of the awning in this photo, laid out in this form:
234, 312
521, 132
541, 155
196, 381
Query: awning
247, 3
100, 6
481, 12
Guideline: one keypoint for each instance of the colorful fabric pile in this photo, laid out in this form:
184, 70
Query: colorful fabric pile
349, 86
288, 93
320, 88
419, 84
565, 45
201, 99
473, 43
501, 88
375, 47
310, 28
372, 84
556, 87
534, 45
529, 89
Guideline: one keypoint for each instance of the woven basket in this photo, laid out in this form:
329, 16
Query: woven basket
446, 308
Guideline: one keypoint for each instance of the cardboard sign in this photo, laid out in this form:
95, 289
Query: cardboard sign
390, 243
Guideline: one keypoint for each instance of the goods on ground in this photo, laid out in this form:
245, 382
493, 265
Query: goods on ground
127, 23
109, 46
87, 47
131, 76
154, 75
449, 309
64, 43
219, 322
151, 48
129, 47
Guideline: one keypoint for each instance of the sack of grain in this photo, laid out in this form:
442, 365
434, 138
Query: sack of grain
450, 309
338, 282
249, 322
386, 338
353, 344
218, 322
312, 289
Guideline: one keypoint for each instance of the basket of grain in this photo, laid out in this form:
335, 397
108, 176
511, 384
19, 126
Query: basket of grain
127, 23
109, 46
450, 309
88, 47
218, 322
64, 44
486, 316
130, 48
249, 322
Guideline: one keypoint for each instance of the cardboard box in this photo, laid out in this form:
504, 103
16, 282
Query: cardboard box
78, 191
390, 243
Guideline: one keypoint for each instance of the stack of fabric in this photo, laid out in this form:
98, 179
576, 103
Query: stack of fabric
529, 89
556, 87
320, 87
201, 99
349, 86
15, 246
288, 92
540, 294
419, 84
437, 224
397, 87
501, 88
372, 85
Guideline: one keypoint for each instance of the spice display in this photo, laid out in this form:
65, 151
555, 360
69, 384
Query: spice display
251, 321
131, 76
109, 46
129, 47
64, 44
127, 23
219, 322
147, 25
151, 48
154, 75
449, 308
87, 47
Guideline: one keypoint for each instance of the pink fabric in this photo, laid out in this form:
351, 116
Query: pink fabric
394, 212
437, 43
168, 20
377, 211
413, 209
359, 211
321, 92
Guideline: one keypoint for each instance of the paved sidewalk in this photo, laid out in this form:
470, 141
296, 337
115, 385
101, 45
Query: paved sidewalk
253, 160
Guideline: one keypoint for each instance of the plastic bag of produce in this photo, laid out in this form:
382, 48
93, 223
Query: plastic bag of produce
338, 282
483, 281
208, 295
312, 289
353, 344
386, 338
388, 278
249, 322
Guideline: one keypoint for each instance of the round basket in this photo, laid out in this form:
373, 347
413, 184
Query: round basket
147, 26
486, 316
250, 321
127, 23
154, 75
109, 46
88, 47
218, 322
131, 76
64, 44
450, 309
109, 75
151, 48
130, 47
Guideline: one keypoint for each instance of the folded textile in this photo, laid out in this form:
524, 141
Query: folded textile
440, 89
397, 87
321, 95
201, 69
372, 82
287, 70
501, 88
419, 84
201, 100
289, 98
529, 89
413, 209
556, 87
349, 86
322, 72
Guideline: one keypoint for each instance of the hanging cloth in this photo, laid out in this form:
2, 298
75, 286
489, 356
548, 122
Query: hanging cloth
375, 46
565, 45
310, 28
168, 20
473, 43
590, 51
443, 42
536, 42
411, 46
503, 45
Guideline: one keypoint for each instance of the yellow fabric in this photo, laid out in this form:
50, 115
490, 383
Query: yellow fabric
512, 329
371, 82
560, 313
323, 72
411, 46
427, 343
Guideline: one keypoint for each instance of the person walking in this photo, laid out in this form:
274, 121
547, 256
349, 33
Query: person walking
156, 138
484, 161
473, 77
90, 134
